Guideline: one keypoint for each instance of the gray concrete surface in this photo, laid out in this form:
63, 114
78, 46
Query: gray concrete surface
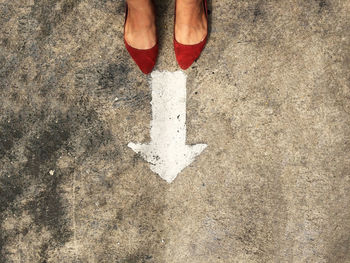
270, 96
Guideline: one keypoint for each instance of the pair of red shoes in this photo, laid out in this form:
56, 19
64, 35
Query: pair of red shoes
185, 54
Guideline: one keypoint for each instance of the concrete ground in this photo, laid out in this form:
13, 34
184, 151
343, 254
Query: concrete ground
270, 96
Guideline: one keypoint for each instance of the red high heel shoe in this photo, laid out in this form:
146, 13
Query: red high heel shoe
187, 54
144, 58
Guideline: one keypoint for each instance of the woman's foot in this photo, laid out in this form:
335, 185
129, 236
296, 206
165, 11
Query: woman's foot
140, 27
191, 22
190, 33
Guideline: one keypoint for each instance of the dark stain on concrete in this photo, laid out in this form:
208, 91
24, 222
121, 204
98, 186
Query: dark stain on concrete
12, 129
3, 238
48, 210
43, 147
50, 133
7, 66
113, 77
13, 186
10, 132
106, 81
46, 206
48, 17
42, 153
113, 81
137, 258
322, 4
43, 253
258, 13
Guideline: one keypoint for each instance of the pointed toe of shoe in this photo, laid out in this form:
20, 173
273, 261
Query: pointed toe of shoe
186, 62
145, 59
187, 54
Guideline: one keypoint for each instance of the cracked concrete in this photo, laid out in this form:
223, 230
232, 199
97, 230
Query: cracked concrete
270, 95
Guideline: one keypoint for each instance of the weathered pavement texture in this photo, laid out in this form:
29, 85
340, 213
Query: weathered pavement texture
270, 96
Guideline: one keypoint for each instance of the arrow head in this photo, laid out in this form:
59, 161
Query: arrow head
168, 160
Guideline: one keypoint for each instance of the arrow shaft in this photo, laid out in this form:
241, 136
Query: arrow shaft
168, 125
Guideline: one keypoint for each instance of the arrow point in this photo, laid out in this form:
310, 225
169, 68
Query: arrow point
168, 164
169, 168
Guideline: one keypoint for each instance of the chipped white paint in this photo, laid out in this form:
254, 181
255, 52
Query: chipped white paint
167, 152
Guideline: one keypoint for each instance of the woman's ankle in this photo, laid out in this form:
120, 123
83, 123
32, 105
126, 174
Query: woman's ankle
191, 23
140, 28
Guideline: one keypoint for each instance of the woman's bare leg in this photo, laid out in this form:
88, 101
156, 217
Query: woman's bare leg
191, 24
140, 28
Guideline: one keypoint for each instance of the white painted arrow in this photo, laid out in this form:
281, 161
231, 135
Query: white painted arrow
167, 152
